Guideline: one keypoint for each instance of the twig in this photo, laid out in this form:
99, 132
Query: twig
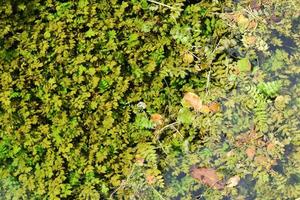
162, 4
208, 81
158, 194
167, 126
173, 127
123, 183
209, 73
194, 55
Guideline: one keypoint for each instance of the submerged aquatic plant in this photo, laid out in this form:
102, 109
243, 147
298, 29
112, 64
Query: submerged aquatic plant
148, 100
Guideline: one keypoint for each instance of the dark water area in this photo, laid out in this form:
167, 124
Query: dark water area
288, 44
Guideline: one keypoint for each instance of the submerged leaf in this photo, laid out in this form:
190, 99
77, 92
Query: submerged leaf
207, 176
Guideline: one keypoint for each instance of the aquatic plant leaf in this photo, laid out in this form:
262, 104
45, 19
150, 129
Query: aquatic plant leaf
188, 58
143, 122
204, 109
185, 116
270, 89
90, 33
244, 65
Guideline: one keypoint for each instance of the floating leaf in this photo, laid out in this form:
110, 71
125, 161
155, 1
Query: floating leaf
242, 21
139, 161
193, 100
249, 40
157, 119
214, 107
204, 109
252, 25
271, 147
244, 65
207, 176
233, 181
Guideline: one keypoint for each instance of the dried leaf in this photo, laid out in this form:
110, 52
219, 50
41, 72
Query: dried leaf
247, 138
250, 151
207, 176
193, 101
249, 40
252, 25
150, 179
214, 107
204, 109
255, 5
233, 181
157, 119
271, 147
230, 153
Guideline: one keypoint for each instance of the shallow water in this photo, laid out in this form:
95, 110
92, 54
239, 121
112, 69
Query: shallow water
235, 122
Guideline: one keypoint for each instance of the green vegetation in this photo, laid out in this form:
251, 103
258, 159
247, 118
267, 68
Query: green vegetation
144, 99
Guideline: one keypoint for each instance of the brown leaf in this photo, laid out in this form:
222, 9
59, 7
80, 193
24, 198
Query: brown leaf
204, 109
214, 107
250, 40
150, 179
271, 147
207, 176
193, 100
252, 25
250, 151
157, 119
242, 139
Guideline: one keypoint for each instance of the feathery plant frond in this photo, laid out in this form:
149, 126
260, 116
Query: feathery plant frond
270, 89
